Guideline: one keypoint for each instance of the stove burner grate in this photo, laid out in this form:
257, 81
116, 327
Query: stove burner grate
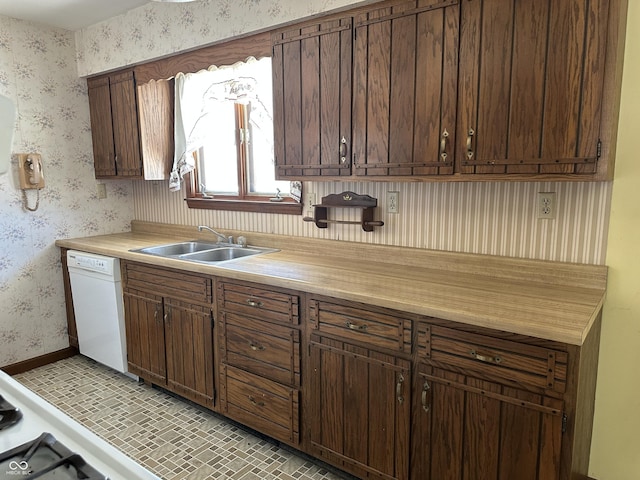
9, 415
46, 458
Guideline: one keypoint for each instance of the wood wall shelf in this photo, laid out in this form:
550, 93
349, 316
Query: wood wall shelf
346, 200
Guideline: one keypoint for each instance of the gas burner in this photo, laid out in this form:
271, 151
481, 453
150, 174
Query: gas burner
46, 458
9, 415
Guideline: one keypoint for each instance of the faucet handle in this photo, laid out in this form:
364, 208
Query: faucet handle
242, 241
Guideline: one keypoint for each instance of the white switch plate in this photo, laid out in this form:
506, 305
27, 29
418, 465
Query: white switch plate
309, 200
101, 190
392, 202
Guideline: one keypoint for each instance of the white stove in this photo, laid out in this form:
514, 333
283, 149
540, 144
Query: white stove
79, 452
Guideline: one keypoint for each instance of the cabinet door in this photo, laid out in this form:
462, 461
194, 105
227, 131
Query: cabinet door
360, 409
155, 109
145, 336
101, 127
466, 428
312, 100
125, 125
404, 106
531, 79
189, 348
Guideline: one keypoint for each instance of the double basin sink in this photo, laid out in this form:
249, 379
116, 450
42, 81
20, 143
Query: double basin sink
203, 252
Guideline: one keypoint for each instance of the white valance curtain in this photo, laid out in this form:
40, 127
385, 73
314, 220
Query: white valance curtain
197, 95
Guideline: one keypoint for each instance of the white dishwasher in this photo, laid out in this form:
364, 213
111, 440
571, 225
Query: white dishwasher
98, 308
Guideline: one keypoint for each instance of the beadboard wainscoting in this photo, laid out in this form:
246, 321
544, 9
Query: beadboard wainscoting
485, 218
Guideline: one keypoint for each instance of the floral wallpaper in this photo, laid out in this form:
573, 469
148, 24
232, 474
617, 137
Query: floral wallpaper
38, 72
159, 29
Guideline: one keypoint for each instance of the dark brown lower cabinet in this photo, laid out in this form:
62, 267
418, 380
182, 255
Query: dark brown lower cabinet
260, 403
468, 428
144, 323
169, 324
360, 409
189, 349
259, 346
170, 343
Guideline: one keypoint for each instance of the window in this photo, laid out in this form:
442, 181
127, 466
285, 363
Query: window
224, 138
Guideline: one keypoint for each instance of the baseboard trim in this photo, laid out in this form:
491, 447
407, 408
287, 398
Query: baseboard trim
46, 359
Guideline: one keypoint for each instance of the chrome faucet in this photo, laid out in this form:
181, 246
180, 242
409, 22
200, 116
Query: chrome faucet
222, 238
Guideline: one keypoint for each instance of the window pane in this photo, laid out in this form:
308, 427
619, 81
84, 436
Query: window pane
218, 156
230, 98
260, 168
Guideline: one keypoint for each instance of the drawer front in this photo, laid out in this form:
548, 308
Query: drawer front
167, 282
261, 404
355, 322
259, 302
269, 350
513, 363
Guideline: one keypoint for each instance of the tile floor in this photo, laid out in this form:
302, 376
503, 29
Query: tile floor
172, 438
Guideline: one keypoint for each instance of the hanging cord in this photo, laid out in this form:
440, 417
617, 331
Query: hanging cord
25, 201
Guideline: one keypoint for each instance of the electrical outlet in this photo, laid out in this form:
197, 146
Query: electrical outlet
546, 205
393, 199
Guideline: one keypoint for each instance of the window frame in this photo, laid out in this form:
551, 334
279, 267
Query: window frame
226, 52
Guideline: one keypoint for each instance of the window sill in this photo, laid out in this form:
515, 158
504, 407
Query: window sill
286, 208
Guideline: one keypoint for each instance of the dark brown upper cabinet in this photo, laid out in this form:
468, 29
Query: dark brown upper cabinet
393, 68
451, 90
312, 100
131, 126
114, 126
531, 86
404, 89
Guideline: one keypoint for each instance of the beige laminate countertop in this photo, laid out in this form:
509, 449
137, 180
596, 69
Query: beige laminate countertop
548, 300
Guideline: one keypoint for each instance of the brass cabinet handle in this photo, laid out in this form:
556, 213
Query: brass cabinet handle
443, 145
399, 388
256, 347
253, 303
425, 390
470, 135
253, 401
355, 326
485, 358
343, 150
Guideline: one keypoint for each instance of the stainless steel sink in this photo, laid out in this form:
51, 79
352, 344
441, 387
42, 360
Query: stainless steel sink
177, 249
203, 252
222, 254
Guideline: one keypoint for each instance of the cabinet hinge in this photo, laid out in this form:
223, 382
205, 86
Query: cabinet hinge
599, 149
564, 422
245, 137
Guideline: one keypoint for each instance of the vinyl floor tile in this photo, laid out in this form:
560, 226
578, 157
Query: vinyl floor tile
172, 438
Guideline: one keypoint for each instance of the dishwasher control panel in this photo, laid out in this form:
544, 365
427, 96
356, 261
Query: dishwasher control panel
93, 263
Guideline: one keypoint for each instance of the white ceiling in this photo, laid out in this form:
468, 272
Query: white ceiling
68, 14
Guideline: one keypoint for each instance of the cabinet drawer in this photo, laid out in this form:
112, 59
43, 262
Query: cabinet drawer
269, 350
509, 362
356, 322
167, 282
259, 403
258, 302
